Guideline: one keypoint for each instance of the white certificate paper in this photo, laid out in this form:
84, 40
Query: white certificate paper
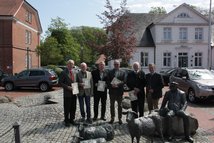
87, 83
115, 81
132, 96
101, 85
75, 89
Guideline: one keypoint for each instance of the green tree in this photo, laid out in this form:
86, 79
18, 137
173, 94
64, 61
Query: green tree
121, 40
49, 52
89, 38
157, 10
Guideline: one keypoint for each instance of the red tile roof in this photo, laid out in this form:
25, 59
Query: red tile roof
10, 7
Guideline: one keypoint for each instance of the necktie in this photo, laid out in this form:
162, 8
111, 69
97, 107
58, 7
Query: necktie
71, 75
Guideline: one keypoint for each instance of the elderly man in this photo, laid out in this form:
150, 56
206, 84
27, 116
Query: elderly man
116, 79
176, 105
85, 82
136, 81
100, 90
154, 85
67, 77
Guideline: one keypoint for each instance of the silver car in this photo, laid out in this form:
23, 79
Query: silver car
196, 83
43, 79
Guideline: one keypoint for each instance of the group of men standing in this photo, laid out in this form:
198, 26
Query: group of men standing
96, 83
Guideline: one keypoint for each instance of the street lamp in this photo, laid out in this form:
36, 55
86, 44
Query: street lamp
209, 39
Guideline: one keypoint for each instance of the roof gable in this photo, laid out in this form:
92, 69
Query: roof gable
9, 7
184, 14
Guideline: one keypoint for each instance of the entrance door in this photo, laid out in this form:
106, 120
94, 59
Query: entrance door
182, 59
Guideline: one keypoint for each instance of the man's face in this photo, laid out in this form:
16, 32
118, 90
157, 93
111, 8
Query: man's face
151, 68
173, 87
70, 65
135, 67
101, 66
83, 67
116, 65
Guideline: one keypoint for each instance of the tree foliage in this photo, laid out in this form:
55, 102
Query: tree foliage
89, 38
121, 40
157, 10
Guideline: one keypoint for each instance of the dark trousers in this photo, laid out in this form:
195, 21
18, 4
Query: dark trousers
117, 98
170, 113
69, 104
138, 105
87, 103
152, 103
97, 98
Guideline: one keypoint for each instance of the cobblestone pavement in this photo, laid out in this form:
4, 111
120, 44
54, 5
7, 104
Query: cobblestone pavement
43, 123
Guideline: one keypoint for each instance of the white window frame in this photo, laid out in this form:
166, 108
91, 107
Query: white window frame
198, 59
183, 33
167, 33
198, 33
167, 59
28, 37
28, 16
144, 59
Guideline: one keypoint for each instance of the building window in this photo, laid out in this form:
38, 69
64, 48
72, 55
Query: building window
167, 59
144, 59
198, 59
183, 33
167, 33
183, 15
198, 33
28, 17
28, 37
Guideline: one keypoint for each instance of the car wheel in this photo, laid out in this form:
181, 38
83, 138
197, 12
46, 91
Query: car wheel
43, 87
9, 86
191, 96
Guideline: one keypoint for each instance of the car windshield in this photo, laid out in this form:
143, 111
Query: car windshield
200, 74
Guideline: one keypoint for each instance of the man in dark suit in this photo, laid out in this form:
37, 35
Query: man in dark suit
116, 79
67, 77
100, 90
136, 81
154, 85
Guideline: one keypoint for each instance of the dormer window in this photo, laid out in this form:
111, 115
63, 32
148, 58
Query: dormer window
183, 15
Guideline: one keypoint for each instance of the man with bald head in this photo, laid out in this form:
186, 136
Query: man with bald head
136, 81
85, 82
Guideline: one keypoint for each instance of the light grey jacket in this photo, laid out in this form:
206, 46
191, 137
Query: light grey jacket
88, 91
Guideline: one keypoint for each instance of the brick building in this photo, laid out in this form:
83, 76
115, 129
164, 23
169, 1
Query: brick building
20, 31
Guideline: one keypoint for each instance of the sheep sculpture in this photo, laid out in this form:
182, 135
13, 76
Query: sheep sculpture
105, 131
143, 126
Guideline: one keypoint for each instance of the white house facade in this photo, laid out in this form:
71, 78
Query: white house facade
176, 39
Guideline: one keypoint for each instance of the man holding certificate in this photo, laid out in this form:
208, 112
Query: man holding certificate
100, 90
66, 79
136, 81
116, 79
85, 82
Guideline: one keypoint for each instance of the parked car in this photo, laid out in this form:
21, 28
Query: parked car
196, 83
2, 74
166, 75
44, 79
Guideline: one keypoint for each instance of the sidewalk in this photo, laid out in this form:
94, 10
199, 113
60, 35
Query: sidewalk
43, 123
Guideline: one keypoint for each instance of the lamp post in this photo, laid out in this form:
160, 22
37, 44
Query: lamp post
209, 39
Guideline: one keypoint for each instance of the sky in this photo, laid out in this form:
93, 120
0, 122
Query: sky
84, 12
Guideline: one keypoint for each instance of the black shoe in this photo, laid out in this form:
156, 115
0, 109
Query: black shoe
120, 122
89, 121
94, 119
189, 139
72, 122
103, 118
67, 124
111, 121
170, 138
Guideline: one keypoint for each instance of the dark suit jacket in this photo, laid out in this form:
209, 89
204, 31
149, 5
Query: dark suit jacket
96, 78
65, 81
155, 82
121, 76
136, 81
